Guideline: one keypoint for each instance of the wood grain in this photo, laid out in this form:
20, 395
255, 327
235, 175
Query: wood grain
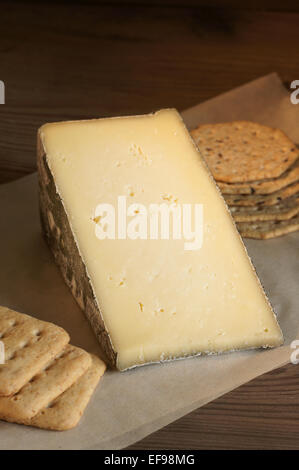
262, 414
112, 60
68, 61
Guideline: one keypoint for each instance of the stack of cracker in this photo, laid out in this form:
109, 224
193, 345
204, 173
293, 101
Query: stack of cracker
44, 381
257, 170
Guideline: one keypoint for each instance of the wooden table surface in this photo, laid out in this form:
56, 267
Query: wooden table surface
102, 59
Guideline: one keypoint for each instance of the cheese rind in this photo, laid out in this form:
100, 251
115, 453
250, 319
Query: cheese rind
147, 300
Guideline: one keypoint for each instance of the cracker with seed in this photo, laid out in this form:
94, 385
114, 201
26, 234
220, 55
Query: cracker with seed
270, 229
281, 211
266, 186
242, 151
65, 412
262, 200
62, 372
29, 344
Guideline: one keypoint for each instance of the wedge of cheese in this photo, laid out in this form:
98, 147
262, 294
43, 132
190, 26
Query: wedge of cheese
149, 296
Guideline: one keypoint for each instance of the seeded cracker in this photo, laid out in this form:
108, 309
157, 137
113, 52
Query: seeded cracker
242, 151
30, 344
281, 211
270, 229
262, 200
266, 186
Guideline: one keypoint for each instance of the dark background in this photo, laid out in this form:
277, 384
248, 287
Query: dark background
62, 60
69, 60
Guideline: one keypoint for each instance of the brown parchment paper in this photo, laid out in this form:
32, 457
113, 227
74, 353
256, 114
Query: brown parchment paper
128, 406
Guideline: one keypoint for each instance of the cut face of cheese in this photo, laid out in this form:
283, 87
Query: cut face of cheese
148, 299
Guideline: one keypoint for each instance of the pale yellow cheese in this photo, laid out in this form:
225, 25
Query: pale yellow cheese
158, 300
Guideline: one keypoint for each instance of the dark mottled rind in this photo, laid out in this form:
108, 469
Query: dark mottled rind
59, 236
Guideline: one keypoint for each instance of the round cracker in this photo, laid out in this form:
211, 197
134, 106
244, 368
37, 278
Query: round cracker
242, 151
